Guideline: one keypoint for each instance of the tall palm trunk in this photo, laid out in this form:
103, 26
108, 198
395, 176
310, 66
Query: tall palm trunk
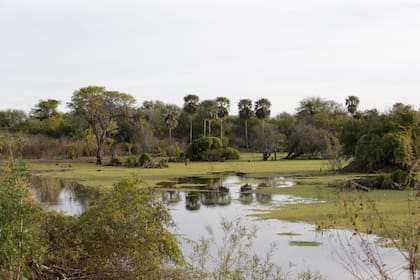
209, 127
191, 134
221, 130
246, 135
204, 125
263, 127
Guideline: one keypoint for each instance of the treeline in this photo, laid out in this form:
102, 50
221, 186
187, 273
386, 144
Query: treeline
102, 122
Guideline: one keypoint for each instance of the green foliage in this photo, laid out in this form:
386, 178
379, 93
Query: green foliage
400, 176
210, 149
352, 102
397, 149
116, 161
99, 108
19, 214
196, 150
262, 108
230, 153
313, 142
73, 150
131, 161
12, 120
145, 159
369, 152
374, 152
124, 235
45, 109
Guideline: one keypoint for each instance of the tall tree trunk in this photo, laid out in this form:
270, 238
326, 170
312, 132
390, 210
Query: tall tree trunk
263, 127
221, 130
170, 135
98, 155
99, 142
204, 125
246, 135
209, 127
191, 128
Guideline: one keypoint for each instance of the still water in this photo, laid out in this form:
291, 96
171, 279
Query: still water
193, 212
226, 196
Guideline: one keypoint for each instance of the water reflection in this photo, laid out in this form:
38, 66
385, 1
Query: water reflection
171, 197
192, 201
206, 204
218, 198
60, 195
229, 197
245, 197
222, 191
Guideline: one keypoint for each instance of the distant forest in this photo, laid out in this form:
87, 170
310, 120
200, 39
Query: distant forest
101, 123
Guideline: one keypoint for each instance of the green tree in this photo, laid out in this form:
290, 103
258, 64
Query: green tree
262, 110
136, 225
369, 152
313, 142
223, 107
208, 110
99, 109
286, 123
45, 109
210, 149
311, 108
245, 113
191, 107
12, 119
170, 115
269, 142
352, 102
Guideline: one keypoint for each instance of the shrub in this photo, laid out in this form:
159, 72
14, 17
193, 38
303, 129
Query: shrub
210, 149
116, 161
72, 150
163, 163
211, 155
230, 153
400, 176
173, 151
145, 159
131, 161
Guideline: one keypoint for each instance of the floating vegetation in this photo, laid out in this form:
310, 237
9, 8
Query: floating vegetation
304, 243
289, 234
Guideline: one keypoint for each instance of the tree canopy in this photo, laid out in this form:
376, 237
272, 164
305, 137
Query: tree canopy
99, 108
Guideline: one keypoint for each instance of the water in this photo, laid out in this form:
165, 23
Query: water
194, 211
59, 195
227, 197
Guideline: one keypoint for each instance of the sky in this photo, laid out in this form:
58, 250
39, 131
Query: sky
165, 49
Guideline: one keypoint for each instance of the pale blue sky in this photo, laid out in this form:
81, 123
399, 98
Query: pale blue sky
165, 49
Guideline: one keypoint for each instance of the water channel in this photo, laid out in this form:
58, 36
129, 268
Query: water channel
227, 196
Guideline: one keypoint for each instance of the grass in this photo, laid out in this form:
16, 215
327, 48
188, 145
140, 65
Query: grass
91, 175
363, 211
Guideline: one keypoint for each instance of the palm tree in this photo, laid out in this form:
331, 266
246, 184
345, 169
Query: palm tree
208, 109
223, 107
352, 102
170, 116
191, 107
245, 113
262, 110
